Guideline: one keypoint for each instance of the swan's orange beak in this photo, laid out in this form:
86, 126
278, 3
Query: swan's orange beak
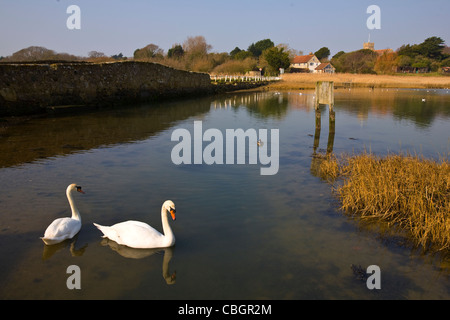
172, 213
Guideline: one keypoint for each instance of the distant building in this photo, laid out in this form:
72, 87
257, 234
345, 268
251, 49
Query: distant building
310, 63
369, 45
253, 73
325, 68
306, 63
409, 69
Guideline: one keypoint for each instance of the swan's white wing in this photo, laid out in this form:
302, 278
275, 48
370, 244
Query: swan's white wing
135, 234
61, 229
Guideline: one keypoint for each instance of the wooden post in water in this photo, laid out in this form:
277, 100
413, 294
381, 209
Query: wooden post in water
317, 131
324, 94
331, 131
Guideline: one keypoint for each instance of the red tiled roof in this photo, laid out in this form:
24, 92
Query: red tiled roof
303, 59
323, 65
383, 51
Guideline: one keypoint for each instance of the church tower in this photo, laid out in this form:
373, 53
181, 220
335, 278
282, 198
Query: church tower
369, 45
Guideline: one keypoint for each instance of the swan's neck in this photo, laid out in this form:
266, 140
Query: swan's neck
73, 207
166, 226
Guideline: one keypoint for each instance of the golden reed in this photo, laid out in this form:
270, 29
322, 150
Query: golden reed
295, 81
407, 191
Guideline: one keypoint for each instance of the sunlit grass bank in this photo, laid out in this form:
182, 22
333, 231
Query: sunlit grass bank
308, 81
405, 191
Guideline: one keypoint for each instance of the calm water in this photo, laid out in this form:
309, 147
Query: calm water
240, 235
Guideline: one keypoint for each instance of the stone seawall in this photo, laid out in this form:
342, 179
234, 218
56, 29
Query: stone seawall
32, 88
236, 86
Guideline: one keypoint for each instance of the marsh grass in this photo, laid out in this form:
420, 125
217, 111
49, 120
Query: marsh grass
292, 81
405, 191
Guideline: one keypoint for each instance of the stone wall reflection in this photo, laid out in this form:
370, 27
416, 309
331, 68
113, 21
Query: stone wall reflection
65, 134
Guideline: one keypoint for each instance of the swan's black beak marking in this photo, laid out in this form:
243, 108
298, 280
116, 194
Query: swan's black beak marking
79, 190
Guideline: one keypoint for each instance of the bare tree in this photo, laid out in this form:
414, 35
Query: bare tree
291, 52
196, 46
96, 54
35, 53
32, 53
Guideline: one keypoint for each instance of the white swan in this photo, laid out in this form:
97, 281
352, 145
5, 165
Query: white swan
64, 228
136, 234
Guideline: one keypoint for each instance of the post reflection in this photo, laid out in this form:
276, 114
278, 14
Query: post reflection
318, 157
331, 131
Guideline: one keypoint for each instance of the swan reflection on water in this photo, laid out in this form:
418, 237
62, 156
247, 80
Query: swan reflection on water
49, 251
132, 253
124, 251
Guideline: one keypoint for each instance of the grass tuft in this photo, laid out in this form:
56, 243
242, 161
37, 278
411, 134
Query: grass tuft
407, 191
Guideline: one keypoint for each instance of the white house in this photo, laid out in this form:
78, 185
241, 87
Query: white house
309, 62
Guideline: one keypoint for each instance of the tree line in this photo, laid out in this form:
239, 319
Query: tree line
195, 54
430, 55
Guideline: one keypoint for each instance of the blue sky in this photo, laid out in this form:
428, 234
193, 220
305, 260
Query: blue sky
114, 26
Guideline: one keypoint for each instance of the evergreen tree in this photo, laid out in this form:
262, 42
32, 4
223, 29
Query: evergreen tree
322, 53
276, 58
176, 51
257, 48
432, 48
